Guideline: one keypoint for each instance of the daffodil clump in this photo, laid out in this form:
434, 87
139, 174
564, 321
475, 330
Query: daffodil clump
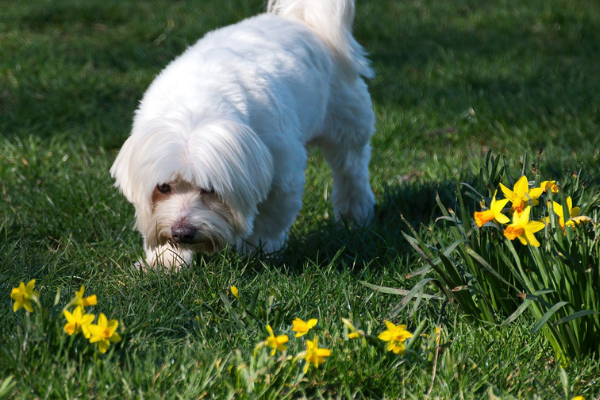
522, 198
394, 336
312, 355
532, 246
78, 320
312, 351
103, 333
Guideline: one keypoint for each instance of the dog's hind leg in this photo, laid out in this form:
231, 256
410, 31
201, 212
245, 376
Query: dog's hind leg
345, 145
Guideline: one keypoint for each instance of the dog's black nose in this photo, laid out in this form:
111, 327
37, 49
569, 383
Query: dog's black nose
183, 234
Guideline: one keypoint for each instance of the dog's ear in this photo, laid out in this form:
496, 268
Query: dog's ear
229, 158
131, 177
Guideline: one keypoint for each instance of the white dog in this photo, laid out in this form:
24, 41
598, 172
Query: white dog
219, 142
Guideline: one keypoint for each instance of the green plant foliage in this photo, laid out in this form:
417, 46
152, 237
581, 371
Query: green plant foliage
491, 277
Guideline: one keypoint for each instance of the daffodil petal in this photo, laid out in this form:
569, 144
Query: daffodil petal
531, 239
521, 186
535, 193
509, 194
90, 301
103, 346
27, 305
69, 317
534, 226
282, 339
323, 352
30, 285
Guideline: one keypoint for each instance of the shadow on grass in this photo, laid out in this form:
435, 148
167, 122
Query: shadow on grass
368, 250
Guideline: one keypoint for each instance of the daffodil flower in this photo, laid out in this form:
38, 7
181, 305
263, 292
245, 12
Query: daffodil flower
354, 333
23, 295
395, 335
301, 327
78, 322
493, 214
523, 229
80, 301
549, 185
235, 292
520, 195
314, 354
574, 217
104, 333
276, 342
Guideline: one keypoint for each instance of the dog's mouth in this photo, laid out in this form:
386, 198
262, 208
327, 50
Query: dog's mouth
203, 245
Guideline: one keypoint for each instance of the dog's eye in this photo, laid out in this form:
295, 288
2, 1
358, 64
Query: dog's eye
207, 191
164, 188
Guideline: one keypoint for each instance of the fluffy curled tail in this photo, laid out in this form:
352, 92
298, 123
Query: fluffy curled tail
331, 20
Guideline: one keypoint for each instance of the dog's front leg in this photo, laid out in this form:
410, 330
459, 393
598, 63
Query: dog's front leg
169, 256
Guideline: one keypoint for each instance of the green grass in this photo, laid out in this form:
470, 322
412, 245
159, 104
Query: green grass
453, 80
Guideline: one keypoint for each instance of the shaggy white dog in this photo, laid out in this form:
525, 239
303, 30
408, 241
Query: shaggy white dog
217, 152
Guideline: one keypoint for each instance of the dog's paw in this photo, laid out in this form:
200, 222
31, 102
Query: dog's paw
168, 257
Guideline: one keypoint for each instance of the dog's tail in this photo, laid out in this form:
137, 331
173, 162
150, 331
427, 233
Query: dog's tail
331, 20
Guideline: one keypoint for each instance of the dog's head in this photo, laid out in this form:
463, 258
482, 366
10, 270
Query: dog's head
194, 185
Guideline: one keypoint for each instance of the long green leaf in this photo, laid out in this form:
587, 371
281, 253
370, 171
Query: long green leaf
548, 315
420, 271
409, 296
473, 190
488, 267
576, 315
517, 313
389, 290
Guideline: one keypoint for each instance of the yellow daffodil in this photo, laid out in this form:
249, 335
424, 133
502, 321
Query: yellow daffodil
80, 301
276, 342
104, 333
549, 185
578, 398
235, 292
78, 322
301, 327
23, 295
493, 214
574, 217
523, 229
395, 335
354, 333
520, 195
314, 354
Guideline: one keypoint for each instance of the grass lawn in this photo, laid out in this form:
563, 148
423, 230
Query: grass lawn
454, 79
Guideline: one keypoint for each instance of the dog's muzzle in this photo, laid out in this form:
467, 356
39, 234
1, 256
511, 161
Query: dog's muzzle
183, 234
